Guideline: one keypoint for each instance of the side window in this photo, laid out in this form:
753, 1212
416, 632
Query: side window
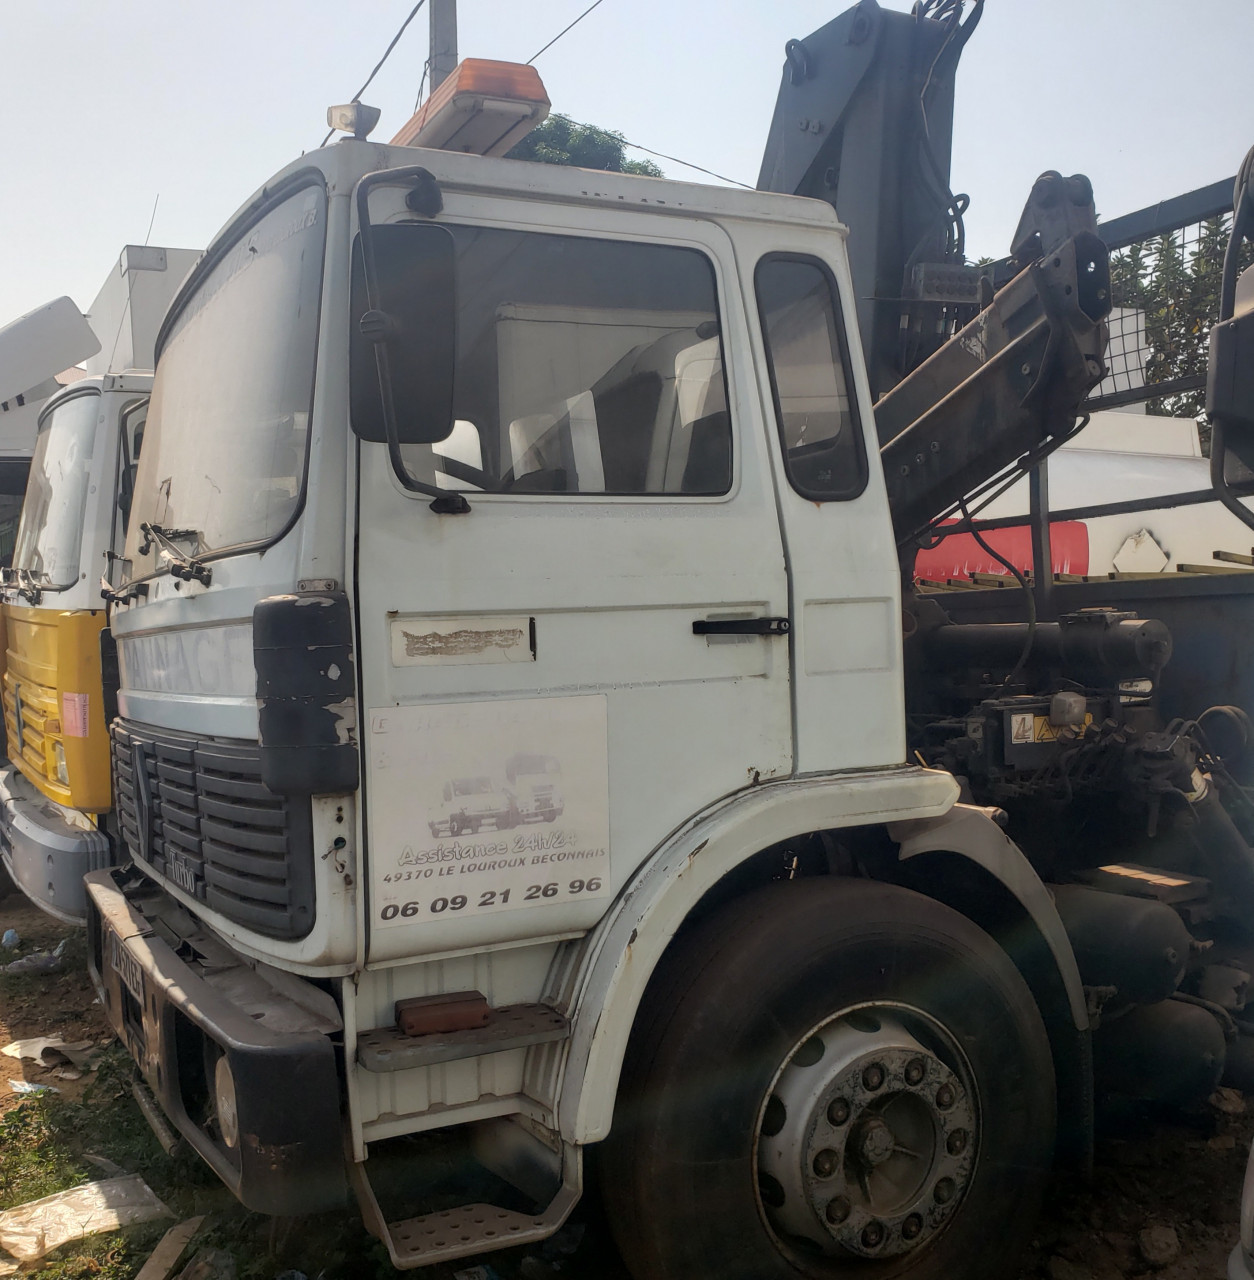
818, 422
131, 439
583, 366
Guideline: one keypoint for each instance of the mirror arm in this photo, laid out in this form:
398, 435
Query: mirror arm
378, 328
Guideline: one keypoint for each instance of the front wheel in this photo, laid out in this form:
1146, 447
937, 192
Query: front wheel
832, 1079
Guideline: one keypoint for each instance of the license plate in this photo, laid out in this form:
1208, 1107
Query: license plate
126, 967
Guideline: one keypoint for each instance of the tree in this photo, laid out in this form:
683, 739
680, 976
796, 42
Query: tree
561, 140
1176, 291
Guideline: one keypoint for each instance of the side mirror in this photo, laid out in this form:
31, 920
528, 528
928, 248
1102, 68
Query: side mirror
1230, 368
413, 317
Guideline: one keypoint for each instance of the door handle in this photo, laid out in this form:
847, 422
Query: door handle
741, 627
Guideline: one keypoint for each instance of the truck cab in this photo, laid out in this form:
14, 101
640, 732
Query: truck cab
57, 786
631, 537
56, 791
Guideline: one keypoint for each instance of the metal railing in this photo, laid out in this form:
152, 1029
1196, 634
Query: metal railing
1166, 262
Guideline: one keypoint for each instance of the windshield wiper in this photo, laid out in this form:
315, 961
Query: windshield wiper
183, 566
29, 584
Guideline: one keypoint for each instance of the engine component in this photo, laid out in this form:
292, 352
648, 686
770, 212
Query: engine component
1169, 1052
1239, 1064
1136, 945
1094, 646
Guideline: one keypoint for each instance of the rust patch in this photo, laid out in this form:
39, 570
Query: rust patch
458, 643
276, 1155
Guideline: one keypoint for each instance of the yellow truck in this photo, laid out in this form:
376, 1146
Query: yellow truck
55, 792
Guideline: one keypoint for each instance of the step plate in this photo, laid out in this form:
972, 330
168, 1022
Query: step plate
469, 1229
513, 1027
448, 1233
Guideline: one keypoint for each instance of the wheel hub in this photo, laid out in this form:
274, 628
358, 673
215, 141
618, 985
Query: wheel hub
868, 1138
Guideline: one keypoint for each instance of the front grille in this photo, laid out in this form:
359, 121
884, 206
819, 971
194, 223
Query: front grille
30, 715
196, 811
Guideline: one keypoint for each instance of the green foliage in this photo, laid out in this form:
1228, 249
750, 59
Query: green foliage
1177, 292
561, 140
44, 1140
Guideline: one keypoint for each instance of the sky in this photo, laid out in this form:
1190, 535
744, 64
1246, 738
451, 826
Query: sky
115, 108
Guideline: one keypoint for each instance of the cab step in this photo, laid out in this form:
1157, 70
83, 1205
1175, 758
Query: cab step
514, 1026
448, 1234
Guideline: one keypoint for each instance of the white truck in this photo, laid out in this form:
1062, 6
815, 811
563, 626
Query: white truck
812, 1014
535, 781
55, 791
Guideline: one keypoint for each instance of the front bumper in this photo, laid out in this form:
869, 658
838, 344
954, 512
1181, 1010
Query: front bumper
288, 1157
46, 854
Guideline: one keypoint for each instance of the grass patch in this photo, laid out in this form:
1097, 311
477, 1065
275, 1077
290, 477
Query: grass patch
43, 1145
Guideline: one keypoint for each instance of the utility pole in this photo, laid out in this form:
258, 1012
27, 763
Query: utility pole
443, 56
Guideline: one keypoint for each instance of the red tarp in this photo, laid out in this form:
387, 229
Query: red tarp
959, 555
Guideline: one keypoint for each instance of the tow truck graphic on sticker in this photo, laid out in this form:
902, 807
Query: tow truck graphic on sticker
514, 809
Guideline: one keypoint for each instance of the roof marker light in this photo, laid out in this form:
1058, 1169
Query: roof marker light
353, 117
484, 108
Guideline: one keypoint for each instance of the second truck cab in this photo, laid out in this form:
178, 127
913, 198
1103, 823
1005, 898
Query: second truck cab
56, 790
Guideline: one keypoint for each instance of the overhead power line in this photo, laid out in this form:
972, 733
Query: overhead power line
378, 65
563, 31
661, 155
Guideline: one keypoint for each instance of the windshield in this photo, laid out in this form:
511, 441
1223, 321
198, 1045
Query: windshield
50, 533
224, 446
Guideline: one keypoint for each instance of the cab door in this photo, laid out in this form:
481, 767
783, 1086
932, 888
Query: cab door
842, 559
595, 651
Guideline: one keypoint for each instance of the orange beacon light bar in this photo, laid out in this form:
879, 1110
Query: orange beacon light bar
484, 108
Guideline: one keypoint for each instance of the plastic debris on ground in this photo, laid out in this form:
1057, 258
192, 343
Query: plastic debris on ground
10, 940
481, 1272
32, 1230
38, 961
52, 1051
26, 1086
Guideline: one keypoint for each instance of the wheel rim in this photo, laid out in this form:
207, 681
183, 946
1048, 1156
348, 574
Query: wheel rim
868, 1137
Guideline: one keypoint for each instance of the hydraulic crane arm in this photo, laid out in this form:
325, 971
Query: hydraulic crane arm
966, 380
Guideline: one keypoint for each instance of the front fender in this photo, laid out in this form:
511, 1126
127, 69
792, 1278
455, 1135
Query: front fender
970, 832
617, 959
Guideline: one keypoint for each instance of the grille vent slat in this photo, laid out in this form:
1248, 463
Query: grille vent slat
212, 827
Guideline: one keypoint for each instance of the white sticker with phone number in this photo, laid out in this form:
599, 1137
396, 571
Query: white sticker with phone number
488, 806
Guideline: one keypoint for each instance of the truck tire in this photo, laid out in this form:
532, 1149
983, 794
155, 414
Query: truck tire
834, 1079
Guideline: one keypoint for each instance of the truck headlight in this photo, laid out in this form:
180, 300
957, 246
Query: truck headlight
58, 757
224, 1098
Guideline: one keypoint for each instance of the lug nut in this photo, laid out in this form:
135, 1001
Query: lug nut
957, 1142
825, 1163
872, 1235
911, 1227
837, 1211
915, 1071
873, 1076
945, 1097
944, 1192
838, 1111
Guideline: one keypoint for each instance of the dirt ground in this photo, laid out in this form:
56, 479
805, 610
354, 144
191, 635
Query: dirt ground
59, 1004
1177, 1174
